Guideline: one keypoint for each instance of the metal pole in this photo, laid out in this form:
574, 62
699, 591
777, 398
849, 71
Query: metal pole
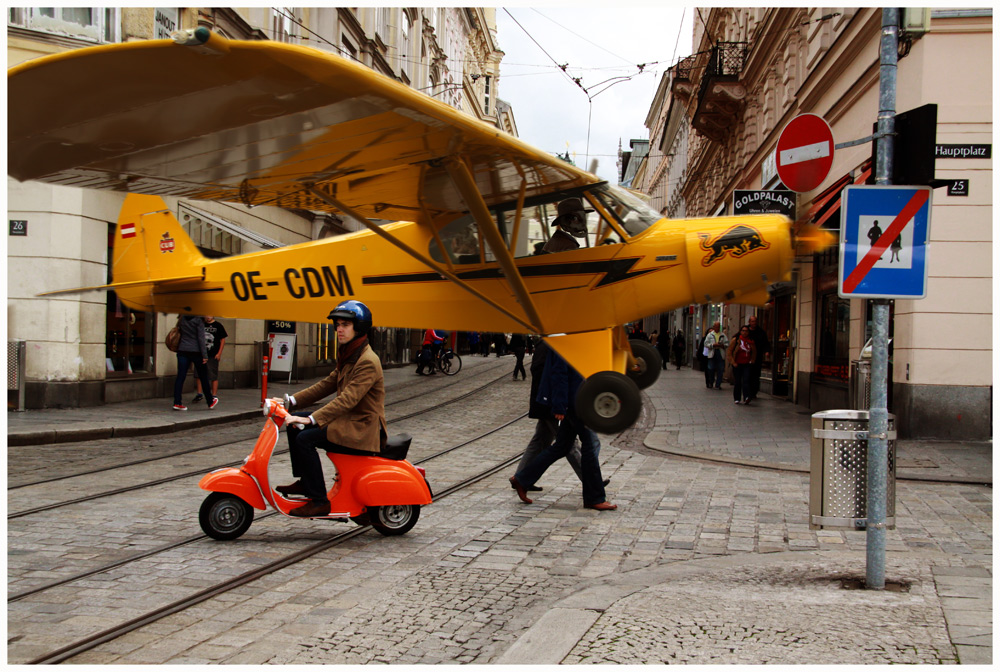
878, 414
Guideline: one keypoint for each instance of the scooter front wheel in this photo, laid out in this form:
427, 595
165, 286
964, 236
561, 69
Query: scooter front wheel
224, 516
395, 519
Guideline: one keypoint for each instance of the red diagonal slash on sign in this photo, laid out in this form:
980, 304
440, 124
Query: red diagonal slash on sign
882, 244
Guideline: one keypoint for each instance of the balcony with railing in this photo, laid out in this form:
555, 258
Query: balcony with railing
721, 94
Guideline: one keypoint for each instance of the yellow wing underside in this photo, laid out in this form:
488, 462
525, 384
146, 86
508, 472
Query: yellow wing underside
253, 122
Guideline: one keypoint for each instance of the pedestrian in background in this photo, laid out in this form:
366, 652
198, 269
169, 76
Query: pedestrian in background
663, 347
678, 346
473, 342
192, 350
517, 347
558, 388
741, 354
500, 343
215, 340
763, 345
715, 349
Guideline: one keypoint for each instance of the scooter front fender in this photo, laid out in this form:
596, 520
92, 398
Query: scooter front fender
392, 482
235, 482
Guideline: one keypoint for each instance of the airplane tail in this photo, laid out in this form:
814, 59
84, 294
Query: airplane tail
150, 244
151, 250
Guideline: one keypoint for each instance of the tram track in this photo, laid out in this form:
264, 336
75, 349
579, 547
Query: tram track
223, 444
92, 641
184, 542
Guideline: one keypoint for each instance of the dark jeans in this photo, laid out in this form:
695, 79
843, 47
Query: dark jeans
570, 428
519, 364
716, 367
307, 466
545, 433
741, 381
755, 370
201, 370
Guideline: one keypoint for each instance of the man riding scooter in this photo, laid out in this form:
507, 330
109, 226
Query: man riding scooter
353, 423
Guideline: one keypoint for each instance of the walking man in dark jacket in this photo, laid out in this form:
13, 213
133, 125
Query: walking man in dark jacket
559, 386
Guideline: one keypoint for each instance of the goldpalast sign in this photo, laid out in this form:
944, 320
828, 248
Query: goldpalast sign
761, 202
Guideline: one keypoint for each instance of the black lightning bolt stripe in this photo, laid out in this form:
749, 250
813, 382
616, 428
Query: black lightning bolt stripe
613, 270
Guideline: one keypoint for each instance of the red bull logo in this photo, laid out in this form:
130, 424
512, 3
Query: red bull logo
166, 243
738, 241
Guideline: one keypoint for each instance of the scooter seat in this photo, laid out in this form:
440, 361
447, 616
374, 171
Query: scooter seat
396, 447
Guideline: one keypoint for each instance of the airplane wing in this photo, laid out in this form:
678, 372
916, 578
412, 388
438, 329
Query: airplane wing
258, 122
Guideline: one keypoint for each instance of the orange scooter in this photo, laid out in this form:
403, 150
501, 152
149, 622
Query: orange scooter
384, 491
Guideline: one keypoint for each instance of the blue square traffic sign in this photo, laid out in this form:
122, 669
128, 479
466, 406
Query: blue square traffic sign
883, 242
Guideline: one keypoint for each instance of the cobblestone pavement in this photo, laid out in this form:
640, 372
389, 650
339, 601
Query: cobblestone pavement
703, 562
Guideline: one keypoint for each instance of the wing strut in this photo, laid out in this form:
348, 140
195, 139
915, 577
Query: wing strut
326, 198
466, 184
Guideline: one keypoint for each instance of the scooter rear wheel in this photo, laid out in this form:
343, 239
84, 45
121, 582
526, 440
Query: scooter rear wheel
224, 516
395, 519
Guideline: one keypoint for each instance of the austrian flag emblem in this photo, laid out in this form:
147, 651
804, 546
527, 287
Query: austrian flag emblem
128, 230
166, 243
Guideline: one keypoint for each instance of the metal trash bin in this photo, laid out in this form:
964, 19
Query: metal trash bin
15, 371
838, 471
861, 384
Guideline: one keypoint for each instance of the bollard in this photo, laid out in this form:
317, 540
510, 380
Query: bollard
263, 379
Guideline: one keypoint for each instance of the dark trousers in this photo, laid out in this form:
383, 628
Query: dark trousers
184, 359
545, 433
716, 367
755, 370
570, 428
307, 466
519, 364
741, 381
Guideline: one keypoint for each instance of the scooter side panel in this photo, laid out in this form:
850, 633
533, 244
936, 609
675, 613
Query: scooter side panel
391, 482
235, 482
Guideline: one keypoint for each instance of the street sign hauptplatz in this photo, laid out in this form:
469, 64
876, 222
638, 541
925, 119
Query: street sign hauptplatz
883, 242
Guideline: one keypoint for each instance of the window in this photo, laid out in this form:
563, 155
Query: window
486, 94
129, 337
833, 321
93, 24
461, 242
282, 24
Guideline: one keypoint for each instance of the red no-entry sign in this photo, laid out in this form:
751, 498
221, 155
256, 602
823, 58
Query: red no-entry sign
805, 152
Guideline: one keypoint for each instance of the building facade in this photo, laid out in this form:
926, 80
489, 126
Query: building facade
87, 349
754, 70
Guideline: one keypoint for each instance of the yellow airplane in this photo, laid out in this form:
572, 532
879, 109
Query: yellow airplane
203, 117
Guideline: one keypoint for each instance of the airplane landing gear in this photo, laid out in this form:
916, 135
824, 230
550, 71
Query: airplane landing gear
650, 363
609, 402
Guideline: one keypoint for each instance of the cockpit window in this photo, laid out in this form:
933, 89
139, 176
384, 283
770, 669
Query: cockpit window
630, 210
461, 242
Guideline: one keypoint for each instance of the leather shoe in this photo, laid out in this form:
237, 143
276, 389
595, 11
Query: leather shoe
293, 489
604, 506
606, 481
521, 492
313, 509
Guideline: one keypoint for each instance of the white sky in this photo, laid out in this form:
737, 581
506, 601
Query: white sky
597, 44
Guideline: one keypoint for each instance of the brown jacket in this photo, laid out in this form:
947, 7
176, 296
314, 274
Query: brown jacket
355, 418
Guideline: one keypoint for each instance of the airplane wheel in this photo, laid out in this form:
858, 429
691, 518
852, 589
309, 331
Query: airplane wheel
224, 516
650, 363
608, 402
395, 519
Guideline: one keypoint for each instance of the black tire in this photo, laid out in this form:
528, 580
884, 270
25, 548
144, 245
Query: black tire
650, 363
450, 364
395, 519
608, 402
224, 516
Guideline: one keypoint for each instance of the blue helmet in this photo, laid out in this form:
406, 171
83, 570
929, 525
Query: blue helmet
355, 311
